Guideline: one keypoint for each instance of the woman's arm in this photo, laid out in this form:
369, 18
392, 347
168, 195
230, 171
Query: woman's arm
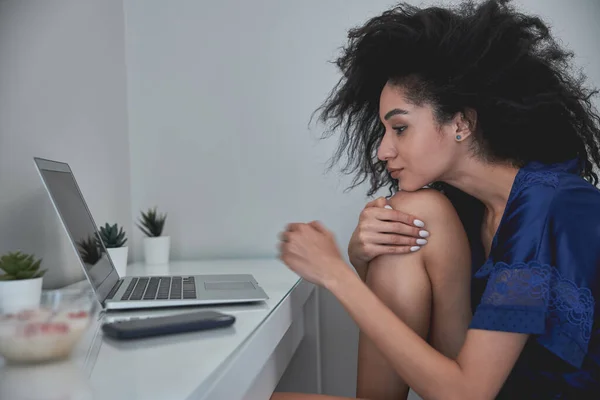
361, 269
486, 357
479, 372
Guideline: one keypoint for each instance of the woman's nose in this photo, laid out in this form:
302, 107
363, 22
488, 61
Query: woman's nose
386, 150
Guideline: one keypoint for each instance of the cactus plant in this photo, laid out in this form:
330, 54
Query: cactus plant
152, 223
90, 250
18, 266
112, 236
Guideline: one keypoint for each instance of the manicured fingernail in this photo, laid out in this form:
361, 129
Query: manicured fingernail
419, 223
423, 233
415, 248
388, 206
421, 241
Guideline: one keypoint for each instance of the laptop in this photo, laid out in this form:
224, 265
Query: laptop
132, 292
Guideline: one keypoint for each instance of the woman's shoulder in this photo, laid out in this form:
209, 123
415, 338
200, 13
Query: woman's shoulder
554, 189
544, 269
548, 206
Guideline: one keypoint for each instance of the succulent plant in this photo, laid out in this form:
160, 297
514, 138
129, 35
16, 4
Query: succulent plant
112, 236
17, 266
152, 223
90, 250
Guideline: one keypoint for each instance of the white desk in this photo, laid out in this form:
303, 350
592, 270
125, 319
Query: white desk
245, 361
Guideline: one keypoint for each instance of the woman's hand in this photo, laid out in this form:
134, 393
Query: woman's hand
382, 230
310, 251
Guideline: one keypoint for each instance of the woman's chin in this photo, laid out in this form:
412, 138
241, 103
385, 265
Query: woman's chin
410, 186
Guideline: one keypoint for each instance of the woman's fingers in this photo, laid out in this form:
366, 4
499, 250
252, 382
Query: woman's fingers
373, 244
389, 214
385, 214
378, 250
397, 228
383, 230
379, 202
390, 239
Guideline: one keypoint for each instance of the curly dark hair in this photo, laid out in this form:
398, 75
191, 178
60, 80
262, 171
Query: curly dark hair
488, 57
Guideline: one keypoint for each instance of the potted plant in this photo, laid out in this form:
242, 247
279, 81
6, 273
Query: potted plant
114, 240
156, 246
89, 250
21, 283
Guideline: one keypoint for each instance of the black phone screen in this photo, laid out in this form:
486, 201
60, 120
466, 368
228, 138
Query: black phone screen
179, 323
178, 319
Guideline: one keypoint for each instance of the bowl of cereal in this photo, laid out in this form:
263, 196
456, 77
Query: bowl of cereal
49, 332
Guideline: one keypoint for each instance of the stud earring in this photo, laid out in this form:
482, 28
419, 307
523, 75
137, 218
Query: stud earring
458, 137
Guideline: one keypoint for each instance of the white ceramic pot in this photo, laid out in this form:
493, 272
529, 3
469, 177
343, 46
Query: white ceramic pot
19, 295
118, 255
157, 249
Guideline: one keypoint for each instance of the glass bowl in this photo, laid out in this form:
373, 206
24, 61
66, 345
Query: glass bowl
49, 332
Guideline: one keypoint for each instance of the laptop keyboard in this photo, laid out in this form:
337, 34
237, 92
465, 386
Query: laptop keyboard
161, 288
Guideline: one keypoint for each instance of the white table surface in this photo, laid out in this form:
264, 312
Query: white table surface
198, 365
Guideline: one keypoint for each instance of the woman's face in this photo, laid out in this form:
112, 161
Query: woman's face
416, 149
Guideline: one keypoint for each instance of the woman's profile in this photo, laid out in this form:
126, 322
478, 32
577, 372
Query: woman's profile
482, 280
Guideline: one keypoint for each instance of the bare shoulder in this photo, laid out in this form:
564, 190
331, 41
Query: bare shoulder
426, 202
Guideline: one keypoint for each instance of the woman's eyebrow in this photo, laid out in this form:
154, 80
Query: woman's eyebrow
393, 112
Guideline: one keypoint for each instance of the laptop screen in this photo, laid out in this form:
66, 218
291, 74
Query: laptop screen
79, 224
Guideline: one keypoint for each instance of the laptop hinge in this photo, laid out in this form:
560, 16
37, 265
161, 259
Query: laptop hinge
114, 290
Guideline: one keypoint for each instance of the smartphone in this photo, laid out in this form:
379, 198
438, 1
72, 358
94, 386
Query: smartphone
158, 326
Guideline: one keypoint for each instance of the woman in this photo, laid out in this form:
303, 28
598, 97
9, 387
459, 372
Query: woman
486, 287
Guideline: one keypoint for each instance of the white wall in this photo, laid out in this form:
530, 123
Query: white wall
220, 94
220, 97
62, 96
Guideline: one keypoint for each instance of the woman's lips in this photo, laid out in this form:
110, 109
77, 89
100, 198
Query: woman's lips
396, 173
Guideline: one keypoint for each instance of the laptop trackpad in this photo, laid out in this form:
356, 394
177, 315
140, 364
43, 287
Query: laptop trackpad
228, 285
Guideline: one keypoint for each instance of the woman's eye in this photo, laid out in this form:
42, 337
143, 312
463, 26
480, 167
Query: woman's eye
399, 129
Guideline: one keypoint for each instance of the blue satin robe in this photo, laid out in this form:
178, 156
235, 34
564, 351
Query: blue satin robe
542, 278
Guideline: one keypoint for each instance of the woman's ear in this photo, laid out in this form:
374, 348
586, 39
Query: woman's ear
465, 124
